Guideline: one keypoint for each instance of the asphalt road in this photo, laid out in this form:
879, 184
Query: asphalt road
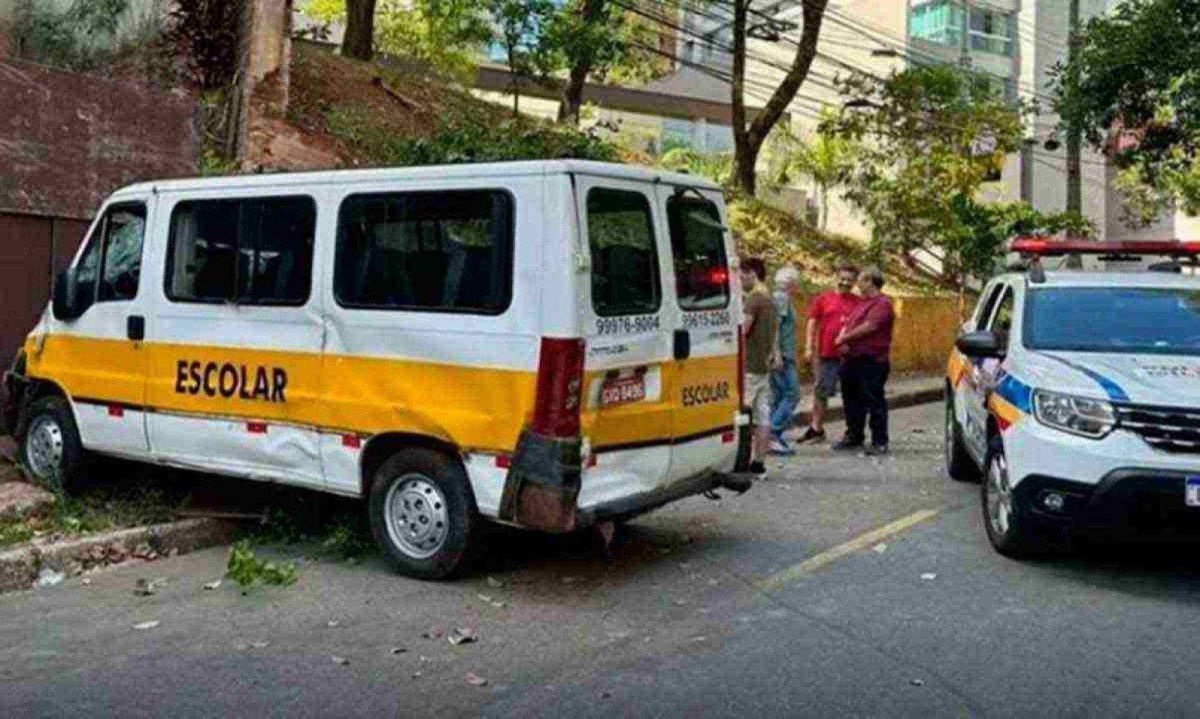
842, 586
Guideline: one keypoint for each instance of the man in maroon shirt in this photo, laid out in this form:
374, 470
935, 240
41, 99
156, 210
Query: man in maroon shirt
866, 345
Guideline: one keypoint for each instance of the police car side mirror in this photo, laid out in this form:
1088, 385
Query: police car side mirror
66, 305
981, 344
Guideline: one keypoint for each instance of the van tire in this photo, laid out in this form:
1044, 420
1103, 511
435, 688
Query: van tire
423, 514
959, 464
51, 451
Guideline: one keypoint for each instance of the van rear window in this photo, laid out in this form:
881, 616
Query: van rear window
429, 251
625, 279
698, 248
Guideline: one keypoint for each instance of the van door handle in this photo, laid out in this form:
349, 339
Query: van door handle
135, 328
683, 344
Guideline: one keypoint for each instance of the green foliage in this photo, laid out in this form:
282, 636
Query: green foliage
925, 139
82, 35
716, 166
96, 509
522, 33
248, 570
611, 41
989, 227
1137, 74
208, 33
446, 34
824, 157
462, 138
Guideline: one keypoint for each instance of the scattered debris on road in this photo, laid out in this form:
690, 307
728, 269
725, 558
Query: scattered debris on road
340, 661
462, 635
142, 626
475, 680
399, 650
494, 583
917, 682
929, 576
48, 578
215, 584
332, 623
247, 569
880, 548
149, 587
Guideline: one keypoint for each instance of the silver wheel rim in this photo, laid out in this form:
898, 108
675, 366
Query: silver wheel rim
417, 520
44, 448
949, 443
999, 499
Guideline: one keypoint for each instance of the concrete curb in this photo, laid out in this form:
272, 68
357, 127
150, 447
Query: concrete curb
899, 400
19, 567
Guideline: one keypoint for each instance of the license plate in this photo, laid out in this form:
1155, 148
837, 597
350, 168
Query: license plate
622, 390
1191, 492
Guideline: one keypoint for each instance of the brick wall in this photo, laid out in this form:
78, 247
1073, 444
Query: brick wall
67, 139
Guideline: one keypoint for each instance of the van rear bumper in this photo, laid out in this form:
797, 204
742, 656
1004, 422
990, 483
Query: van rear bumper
633, 505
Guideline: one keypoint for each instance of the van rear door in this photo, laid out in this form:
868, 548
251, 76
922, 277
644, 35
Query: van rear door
705, 317
626, 403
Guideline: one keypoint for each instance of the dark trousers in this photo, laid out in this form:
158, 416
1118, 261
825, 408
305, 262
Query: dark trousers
863, 379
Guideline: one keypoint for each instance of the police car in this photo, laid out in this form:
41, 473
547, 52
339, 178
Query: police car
1075, 396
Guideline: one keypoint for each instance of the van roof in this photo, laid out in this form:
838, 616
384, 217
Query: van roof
465, 170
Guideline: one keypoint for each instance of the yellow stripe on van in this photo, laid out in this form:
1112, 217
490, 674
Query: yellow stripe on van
474, 408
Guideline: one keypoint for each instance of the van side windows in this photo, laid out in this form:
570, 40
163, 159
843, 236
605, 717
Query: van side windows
698, 248
109, 269
625, 274
254, 251
446, 251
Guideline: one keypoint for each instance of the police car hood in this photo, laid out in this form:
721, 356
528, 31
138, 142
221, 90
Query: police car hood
1172, 380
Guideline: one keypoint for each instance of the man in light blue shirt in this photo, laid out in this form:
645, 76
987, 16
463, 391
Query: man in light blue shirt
785, 383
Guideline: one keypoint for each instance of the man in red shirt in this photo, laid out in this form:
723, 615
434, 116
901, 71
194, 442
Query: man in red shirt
826, 318
866, 346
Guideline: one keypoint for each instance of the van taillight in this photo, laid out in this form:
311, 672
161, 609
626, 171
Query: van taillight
559, 388
741, 366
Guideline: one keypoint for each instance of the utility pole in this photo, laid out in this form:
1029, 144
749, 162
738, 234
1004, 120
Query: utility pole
1074, 178
964, 47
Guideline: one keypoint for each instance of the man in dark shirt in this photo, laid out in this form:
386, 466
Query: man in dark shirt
866, 345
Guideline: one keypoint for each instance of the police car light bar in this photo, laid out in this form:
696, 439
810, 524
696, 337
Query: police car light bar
1047, 247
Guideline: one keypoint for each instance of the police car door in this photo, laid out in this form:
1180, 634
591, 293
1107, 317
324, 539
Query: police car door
235, 372
99, 357
627, 407
704, 325
985, 372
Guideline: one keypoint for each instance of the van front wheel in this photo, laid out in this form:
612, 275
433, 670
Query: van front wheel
51, 450
423, 514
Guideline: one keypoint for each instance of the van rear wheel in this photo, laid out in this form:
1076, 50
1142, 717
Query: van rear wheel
423, 513
51, 450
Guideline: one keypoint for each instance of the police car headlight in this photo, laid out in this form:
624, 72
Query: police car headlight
1078, 415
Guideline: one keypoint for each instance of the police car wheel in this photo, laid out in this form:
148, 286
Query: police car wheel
959, 464
51, 450
423, 514
1004, 518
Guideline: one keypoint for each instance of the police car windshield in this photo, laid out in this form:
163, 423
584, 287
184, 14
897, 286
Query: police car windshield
1129, 320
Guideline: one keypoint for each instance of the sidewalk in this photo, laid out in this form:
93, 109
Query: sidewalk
902, 392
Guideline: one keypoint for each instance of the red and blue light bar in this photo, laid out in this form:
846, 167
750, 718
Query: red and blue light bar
1049, 247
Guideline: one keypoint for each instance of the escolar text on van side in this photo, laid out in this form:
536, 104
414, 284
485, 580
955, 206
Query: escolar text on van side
225, 379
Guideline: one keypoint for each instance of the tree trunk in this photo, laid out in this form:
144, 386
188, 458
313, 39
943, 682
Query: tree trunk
824, 207
748, 141
592, 12
359, 39
572, 97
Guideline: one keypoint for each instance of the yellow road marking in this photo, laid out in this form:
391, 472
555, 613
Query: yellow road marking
829, 556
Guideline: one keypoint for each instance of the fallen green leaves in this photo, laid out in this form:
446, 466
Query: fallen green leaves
248, 570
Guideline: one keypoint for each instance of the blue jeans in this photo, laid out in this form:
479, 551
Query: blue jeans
785, 395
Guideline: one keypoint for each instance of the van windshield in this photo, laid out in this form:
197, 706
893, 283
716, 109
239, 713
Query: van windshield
1125, 320
698, 248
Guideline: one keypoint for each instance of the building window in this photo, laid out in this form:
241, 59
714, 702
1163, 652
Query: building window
940, 22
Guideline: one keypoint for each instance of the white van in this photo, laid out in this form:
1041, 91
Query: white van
546, 344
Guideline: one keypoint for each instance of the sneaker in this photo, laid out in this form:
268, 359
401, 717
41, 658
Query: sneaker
877, 450
758, 469
779, 447
811, 435
846, 444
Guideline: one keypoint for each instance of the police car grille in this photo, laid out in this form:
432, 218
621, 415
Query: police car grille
1171, 429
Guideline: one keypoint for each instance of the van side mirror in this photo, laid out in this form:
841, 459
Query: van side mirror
981, 344
66, 304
